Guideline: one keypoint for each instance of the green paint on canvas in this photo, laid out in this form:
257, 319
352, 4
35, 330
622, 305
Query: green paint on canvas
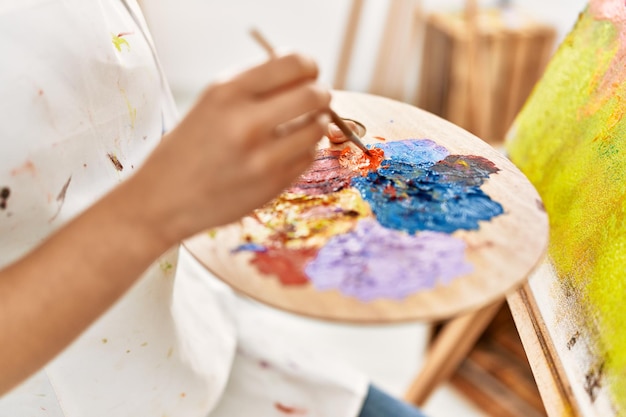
570, 140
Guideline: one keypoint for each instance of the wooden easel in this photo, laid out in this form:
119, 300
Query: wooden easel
548, 370
399, 39
449, 348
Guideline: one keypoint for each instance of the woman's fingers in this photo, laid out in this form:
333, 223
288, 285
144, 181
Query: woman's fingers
291, 105
276, 74
335, 135
298, 145
274, 95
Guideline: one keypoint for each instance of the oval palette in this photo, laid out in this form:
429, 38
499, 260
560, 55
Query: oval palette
433, 223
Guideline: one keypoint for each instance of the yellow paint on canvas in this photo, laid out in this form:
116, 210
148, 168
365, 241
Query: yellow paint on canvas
570, 140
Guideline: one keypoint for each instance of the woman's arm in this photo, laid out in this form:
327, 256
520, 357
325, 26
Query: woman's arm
245, 140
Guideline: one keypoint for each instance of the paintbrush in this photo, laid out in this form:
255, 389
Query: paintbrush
348, 133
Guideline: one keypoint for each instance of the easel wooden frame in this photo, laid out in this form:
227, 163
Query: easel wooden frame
399, 37
448, 350
554, 388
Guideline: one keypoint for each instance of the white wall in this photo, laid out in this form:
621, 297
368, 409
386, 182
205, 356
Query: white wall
199, 40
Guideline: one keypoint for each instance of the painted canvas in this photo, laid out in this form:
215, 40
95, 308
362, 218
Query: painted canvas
570, 140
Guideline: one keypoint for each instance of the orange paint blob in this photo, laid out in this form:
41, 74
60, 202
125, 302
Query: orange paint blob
361, 161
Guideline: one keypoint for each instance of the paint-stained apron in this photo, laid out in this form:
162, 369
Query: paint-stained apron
82, 105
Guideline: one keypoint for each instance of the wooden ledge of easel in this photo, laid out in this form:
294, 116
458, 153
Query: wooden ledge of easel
554, 388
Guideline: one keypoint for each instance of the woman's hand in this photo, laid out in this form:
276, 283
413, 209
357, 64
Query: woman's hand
245, 140
335, 135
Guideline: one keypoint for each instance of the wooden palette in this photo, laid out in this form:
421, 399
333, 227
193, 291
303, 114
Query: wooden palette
502, 252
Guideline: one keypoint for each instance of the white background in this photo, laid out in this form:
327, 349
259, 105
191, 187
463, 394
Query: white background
200, 40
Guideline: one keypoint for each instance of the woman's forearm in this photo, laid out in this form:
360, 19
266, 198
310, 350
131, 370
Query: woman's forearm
51, 295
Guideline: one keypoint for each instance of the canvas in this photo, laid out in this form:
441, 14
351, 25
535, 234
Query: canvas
570, 140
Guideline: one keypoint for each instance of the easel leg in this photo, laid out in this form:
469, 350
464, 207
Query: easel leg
450, 347
348, 44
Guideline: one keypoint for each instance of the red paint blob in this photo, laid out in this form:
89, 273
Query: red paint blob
390, 190
358, 160
287, 264
380, 138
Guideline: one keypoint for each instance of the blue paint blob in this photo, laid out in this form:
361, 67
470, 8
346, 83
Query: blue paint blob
252, 247
420, 187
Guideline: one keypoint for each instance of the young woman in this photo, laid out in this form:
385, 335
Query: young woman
98, 186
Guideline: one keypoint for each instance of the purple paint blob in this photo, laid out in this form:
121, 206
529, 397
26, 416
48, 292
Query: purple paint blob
375, 262
467, 170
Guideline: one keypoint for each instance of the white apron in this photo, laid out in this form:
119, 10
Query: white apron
82, 103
